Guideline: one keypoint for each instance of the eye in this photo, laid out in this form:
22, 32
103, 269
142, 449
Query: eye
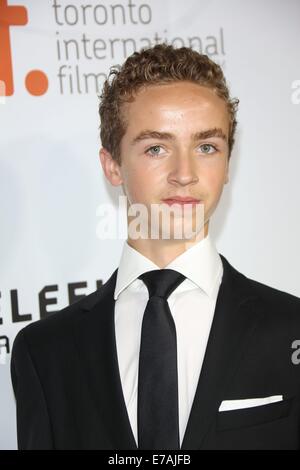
155, 149
208, 148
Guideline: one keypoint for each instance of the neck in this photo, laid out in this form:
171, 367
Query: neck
162, 252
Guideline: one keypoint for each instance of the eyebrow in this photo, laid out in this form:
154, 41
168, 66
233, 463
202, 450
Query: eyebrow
201, 135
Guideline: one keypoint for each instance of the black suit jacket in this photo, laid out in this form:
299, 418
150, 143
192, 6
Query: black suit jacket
68, 390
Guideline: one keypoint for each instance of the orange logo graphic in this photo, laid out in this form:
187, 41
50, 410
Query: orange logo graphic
36, 81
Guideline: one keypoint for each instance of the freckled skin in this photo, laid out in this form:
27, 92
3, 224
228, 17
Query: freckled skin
179, 167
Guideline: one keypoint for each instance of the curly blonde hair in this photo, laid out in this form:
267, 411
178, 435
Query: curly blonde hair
159, 64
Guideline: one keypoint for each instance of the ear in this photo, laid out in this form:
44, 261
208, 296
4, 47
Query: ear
110, 167
227, 172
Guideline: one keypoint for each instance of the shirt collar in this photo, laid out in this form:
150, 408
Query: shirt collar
201, 264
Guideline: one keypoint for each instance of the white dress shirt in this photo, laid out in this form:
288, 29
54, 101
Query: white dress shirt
192, 306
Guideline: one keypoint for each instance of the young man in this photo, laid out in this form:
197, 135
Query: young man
177, 350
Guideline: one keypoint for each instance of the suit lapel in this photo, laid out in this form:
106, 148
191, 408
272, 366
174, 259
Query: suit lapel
95, 330
235, 319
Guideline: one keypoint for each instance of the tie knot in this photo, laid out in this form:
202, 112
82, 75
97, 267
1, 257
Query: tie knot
162, 282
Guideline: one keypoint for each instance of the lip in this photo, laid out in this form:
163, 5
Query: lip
181, 200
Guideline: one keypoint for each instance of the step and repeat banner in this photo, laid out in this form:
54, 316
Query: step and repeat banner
54, 57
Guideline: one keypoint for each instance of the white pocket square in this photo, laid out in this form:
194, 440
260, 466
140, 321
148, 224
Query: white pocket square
227, 405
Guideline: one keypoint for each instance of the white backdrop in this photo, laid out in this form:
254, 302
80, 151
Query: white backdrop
51, 181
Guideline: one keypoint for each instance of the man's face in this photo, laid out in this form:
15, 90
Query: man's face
157, 167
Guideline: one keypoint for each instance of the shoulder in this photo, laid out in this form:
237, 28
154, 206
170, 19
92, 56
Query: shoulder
55, 329
280, 308
273, 301
274, 295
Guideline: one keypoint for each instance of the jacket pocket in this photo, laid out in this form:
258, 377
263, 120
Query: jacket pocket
253, 416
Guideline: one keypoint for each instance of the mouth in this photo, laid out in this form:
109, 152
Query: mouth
182, 201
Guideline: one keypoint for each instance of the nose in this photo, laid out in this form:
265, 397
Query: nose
183, 169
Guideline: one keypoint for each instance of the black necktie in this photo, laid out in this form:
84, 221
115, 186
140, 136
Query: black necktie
157, 412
